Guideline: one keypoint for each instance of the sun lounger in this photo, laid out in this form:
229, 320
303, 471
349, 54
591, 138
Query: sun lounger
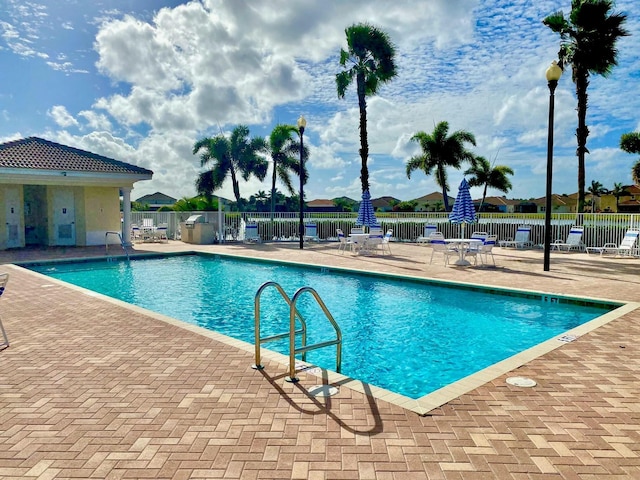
521, 240
426, 236
311, 232
626, 247
251, 233
573, 242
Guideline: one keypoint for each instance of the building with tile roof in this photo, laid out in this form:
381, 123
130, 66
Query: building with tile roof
157, 200
53, 194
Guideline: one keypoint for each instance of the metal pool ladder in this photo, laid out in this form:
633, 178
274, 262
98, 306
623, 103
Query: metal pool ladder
293, 313
106, 243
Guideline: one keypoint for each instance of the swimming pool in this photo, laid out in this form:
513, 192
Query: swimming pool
407, 336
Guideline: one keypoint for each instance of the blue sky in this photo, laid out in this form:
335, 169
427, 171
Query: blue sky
141, 80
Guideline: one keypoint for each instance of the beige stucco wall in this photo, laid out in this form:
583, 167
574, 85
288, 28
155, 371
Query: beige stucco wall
101, 211
3, 215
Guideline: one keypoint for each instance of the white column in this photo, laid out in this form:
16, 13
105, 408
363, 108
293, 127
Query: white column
126, 213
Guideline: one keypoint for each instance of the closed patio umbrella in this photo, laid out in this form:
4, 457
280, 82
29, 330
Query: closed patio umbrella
463, 210
366, 215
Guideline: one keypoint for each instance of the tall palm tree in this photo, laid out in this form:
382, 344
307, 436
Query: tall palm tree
370, 59
439, 151
618, 191
630, 143
234, 157
284, 150
596, 190
483, 174
588, 43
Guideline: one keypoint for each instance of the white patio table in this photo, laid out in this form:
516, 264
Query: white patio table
463, 245
359, 241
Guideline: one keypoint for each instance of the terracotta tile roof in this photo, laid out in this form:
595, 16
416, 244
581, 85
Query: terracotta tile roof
37, 153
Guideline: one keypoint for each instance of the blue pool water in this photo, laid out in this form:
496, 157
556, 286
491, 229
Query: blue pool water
406, 336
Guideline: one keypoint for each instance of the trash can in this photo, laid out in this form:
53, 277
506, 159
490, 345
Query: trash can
196, 230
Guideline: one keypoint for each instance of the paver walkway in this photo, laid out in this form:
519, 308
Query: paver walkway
92, 389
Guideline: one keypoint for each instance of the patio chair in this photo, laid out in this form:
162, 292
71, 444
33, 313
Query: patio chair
344, 241
311, 232
386, 242
521, 240
251, 233
4, 278
161, 233
136, 233
574, 240
426, 236
626, 247
438, 245
374, 240
486, 249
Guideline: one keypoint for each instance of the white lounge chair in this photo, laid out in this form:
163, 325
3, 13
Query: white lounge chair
4, 278
311, 232
573, 242
251, 233
626, 247
521, 240
426, 236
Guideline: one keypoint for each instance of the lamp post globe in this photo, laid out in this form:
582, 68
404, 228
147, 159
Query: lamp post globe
302, 123
553, 74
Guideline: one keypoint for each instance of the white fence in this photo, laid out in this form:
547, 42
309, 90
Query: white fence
600, 228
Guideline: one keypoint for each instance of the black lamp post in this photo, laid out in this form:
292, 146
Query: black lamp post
553, 74
301, 124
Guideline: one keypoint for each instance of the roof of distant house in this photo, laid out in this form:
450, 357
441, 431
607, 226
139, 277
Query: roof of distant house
320, 202
432, 197
157, 198
40, 154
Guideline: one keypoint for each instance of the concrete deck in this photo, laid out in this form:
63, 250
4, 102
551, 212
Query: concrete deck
91, 388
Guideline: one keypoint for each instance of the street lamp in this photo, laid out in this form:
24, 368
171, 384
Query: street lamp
301, 124
553, 74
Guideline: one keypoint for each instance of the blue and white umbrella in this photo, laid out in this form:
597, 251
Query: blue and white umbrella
366, 215
463, 210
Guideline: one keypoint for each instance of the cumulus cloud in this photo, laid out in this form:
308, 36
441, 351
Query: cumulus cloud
61, 116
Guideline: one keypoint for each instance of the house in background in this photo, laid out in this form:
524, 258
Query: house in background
55, 195
156, 201
432, 202
320, 205
384, 204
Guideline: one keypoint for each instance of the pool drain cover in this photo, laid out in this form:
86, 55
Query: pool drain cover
323, 391
521, 382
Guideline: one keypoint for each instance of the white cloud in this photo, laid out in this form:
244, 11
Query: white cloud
61, 116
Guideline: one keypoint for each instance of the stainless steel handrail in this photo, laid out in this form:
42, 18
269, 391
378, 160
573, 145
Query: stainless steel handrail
106, 243
256, 315
305, 348
293, 313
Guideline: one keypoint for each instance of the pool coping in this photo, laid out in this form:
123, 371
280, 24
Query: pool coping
422, 405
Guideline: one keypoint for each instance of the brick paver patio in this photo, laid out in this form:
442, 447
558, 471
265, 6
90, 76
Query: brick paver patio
92, 389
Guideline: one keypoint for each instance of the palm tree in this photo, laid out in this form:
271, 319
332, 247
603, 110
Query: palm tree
596, 190
487, 176
588, 43
233, 157
439, 151
618, 191
630, 143
284, 150
370, 60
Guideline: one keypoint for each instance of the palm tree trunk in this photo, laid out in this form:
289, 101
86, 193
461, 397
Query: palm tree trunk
582, 132
236, 186
443, 184
273, 190
484, 195
364, 141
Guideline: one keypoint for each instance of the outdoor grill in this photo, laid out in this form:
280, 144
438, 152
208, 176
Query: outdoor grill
197, 230
192, 220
